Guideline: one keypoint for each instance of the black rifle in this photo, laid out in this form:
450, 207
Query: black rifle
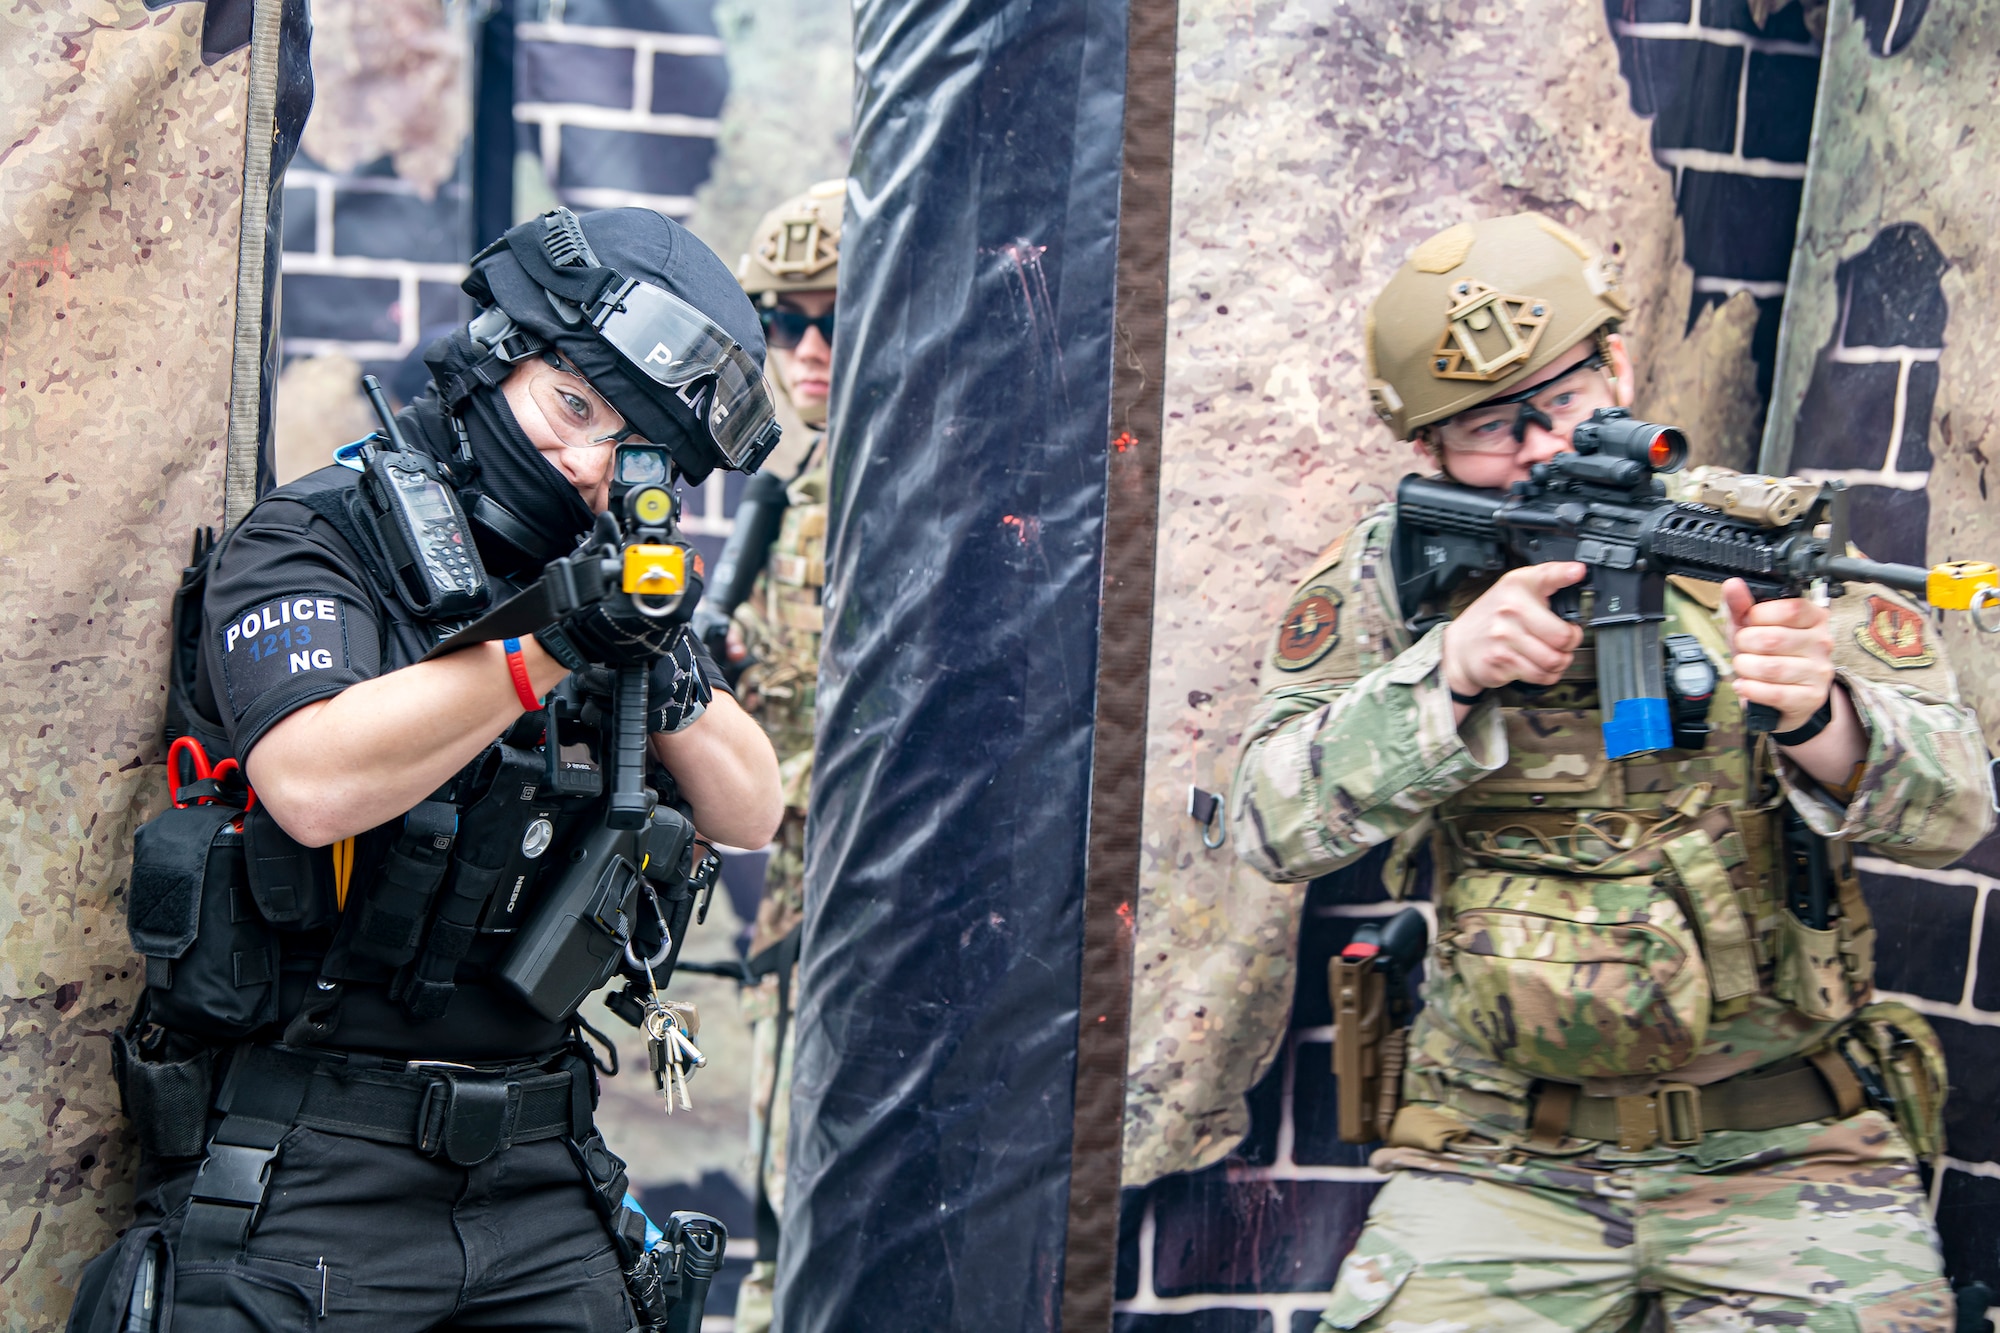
759, 514
636, 552
1603, 505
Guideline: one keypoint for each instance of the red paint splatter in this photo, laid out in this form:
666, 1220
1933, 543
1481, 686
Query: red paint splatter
1125, 916
1026, 529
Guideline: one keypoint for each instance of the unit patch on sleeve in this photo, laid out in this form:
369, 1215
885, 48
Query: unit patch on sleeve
1310, 630
280, 641
1895, 635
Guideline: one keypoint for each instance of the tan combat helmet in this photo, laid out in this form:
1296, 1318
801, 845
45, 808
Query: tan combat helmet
1478, 309
796, 248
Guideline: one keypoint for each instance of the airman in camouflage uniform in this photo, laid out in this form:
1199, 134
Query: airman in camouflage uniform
790, 270
1636, 1071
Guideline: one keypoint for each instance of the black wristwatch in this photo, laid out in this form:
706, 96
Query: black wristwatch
1809, 728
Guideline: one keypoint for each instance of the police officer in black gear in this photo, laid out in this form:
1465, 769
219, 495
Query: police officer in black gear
353, 1109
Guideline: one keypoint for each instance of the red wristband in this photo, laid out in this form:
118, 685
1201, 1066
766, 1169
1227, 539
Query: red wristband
517, 667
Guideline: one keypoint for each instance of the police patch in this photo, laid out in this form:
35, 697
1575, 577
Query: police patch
1310, 630
1895, 635
280, 641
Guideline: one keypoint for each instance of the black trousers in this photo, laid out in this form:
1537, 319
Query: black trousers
369, 1236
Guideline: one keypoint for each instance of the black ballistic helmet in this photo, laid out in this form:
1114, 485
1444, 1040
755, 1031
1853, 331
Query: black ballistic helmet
649, 315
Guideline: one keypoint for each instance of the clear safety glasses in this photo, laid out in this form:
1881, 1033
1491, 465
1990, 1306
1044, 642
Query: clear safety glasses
575, 412
1500, 425
676, 346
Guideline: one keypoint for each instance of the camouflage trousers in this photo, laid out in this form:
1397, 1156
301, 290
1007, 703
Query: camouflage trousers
1818, 1226
770, 1096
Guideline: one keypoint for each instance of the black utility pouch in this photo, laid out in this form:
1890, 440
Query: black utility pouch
166, 1083
130, 1286
399, 902
288, 882
211, 961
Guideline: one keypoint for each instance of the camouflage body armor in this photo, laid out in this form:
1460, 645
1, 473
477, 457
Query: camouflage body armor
781, 626
1605, 922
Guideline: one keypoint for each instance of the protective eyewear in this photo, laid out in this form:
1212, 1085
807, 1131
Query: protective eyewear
1555, 407
676, 346
786, 329
577, 414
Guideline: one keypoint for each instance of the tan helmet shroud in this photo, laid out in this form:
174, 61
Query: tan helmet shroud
1478, 309
796, 248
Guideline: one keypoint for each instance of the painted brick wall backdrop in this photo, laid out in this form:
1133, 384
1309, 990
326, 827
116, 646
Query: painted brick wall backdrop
1731, 101
1252, 1243
1885, 381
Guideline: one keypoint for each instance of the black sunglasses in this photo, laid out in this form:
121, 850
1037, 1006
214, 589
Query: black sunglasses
786, 329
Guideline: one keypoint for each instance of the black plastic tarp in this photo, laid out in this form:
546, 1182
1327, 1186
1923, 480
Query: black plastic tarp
933, 1099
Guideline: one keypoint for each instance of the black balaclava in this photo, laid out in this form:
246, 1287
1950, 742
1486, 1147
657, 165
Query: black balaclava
506, 467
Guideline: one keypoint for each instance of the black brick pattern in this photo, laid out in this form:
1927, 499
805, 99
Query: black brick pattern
619, 101
1217, 1320
1731, 103
1866, 415
1268, 1226
1922, 932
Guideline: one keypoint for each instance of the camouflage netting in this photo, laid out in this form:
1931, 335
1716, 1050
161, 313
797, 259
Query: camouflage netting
120, 196
1315, 146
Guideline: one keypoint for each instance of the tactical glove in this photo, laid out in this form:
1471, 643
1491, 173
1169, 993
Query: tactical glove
678, 691
611, 633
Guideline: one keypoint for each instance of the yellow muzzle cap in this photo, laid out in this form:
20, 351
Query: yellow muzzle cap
656, 571
1953, 587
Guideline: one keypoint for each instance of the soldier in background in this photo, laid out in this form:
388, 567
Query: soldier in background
1638, 1075
766, 624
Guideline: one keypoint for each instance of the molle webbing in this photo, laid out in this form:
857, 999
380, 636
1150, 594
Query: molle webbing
1727, 938
394, 909
491, 828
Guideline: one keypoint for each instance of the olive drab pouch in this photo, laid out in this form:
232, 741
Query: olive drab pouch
211, 962
1571, 978
1901, 1065
1827, 974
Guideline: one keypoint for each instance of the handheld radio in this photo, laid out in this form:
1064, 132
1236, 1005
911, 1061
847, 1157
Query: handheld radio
419, 522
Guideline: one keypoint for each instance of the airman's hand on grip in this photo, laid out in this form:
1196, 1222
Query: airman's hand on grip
1510, 633
1783, 652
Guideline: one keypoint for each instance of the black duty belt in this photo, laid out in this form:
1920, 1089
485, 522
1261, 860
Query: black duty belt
438, 1109
1676, 1115
459, 1112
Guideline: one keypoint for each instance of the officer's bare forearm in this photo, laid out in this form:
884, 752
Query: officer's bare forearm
374, 750
728, 772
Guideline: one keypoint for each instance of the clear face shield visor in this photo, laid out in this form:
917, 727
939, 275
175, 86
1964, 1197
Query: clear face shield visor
676, 346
